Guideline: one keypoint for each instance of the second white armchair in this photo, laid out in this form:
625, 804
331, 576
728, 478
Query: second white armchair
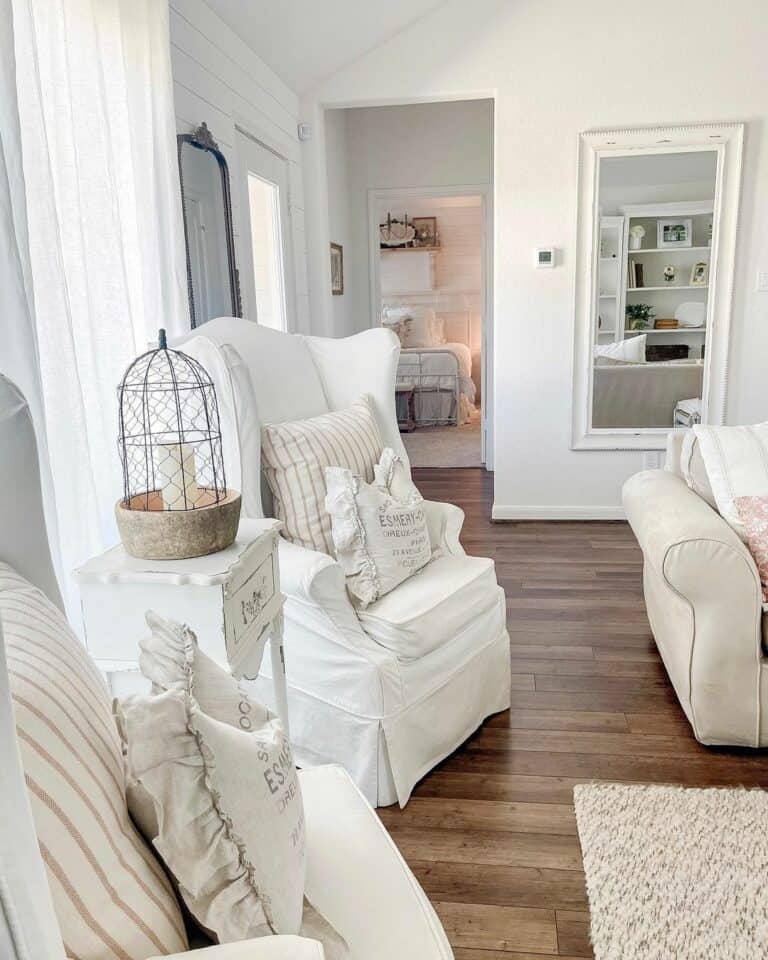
390, 691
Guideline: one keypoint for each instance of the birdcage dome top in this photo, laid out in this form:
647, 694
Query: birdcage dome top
165, 369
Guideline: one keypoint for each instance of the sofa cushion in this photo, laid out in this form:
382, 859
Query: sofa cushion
736, 459
295, 456
111, 896
694, 469
433, 606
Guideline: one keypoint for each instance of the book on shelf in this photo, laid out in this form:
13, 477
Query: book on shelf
635, 277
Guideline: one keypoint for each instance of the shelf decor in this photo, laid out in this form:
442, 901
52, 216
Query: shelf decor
677, 232
175, 500
639, 316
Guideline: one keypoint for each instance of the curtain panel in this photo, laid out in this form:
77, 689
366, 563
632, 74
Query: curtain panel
103, 235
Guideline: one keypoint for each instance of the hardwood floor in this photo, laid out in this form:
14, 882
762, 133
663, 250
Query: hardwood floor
491, 832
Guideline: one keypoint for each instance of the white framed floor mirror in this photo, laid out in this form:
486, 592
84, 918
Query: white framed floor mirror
656, 239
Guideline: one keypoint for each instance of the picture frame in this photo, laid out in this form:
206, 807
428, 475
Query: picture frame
675, 232
337, 269
426, 231
699, 274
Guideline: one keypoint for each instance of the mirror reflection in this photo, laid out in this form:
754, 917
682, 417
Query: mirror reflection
211, 272
652, 281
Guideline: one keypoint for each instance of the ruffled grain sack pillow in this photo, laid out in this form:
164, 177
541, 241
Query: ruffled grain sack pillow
295, 457
172, 660
380, 540
213, 786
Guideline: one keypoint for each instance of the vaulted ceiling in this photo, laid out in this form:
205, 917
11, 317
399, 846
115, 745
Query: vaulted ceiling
305, 41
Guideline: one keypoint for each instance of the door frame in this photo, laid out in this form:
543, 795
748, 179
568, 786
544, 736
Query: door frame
286, 229
485, 192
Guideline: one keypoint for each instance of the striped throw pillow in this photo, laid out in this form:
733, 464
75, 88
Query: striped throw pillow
112, 898
295, 457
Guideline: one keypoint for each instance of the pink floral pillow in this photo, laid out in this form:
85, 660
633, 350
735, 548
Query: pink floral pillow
753, 512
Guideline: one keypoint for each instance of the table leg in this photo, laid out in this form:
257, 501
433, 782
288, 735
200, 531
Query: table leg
278, 670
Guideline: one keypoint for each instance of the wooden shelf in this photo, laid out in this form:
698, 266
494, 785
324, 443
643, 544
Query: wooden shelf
671, 286
408, 249
678, 330
632, 253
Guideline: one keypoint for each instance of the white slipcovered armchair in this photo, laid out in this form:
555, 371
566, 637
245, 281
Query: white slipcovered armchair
391, 690
355, 875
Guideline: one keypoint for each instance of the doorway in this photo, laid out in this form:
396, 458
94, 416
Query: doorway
268, 265
433, 290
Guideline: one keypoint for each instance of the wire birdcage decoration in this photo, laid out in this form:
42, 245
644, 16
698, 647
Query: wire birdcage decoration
170, 436
175, 500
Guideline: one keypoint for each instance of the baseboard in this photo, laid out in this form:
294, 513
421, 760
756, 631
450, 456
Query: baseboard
509, 512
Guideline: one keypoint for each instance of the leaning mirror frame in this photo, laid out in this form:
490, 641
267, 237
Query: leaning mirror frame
202, 139
726, 141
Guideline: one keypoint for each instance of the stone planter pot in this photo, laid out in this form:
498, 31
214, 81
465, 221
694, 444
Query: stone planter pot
152, 533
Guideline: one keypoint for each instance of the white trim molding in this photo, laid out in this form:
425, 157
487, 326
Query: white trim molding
726, 141
502, 512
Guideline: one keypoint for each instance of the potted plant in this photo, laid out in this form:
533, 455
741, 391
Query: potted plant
639, 316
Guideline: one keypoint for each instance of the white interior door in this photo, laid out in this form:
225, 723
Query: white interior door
265, 202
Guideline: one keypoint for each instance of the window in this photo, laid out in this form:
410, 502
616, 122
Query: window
266, 244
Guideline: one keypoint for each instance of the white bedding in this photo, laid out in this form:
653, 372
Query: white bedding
434, 369
436, 363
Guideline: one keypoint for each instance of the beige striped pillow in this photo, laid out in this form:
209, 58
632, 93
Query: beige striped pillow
112, 898
295, 456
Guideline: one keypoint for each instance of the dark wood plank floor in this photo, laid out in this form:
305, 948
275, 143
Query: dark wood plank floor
491, 832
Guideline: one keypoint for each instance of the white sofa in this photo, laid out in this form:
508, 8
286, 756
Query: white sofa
643, 394
355, 874
704, 601
390, 691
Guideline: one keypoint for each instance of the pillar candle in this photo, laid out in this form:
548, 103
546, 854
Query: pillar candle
176, 466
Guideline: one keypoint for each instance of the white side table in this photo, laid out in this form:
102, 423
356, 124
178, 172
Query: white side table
231, 599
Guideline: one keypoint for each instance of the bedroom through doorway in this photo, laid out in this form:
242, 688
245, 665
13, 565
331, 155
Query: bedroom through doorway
431, 293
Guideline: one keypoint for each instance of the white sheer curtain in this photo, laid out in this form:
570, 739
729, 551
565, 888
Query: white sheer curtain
103, 233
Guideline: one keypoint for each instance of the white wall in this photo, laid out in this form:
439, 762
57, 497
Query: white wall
218, 79
337, 171
555, 69
420, 145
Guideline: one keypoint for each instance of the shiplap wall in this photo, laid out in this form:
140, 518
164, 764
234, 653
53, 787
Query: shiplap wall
457, 295
220, 80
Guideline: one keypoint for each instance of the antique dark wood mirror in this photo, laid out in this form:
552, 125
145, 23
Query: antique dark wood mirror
212, 277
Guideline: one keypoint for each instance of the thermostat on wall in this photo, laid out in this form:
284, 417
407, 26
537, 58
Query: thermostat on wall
545, 256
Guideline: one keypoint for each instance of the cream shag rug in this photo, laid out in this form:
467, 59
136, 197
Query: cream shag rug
673, 873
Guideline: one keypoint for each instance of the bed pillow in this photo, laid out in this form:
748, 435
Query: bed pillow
419, 330
632, 349
736, 460
380, 540
295, 457
111, 895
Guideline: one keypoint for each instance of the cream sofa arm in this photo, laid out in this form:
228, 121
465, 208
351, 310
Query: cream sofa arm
444, 522
263, 948
694, 552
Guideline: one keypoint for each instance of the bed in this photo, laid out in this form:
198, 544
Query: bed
441, 379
